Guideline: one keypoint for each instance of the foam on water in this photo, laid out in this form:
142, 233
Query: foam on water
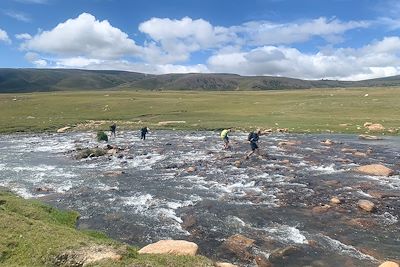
286, 234
343, 249
325, 169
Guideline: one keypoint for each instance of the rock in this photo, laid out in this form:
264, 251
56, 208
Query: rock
189, 221
332, 183
282, 130
164, 123
336, 200
376, 127
175, 247
280, 255
261, 261
44, 189
360, 154
238, 163
348, 150
389, 264
239, 245
224, 264
367, 124
112, 151
327, 142
363, 223
380, 194
288, 143
321, 209
369, 137
86, 256
191, 169
366, 205
313, 243
63, 130
375, 169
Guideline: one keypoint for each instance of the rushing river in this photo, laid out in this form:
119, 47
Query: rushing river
149, 192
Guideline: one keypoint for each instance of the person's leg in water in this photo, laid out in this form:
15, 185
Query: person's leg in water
254, 148
226, 142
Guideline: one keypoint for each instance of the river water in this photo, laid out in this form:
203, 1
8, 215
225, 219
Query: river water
147, 193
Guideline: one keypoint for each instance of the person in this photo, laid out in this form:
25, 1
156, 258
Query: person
113, 128
253, 139
144, 131
225, 138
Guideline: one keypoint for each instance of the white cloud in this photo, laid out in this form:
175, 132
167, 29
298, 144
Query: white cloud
18, 15
23, 36
35, 59
83, 36
4, 37
96, 64
183, 37
269, 33
371, 61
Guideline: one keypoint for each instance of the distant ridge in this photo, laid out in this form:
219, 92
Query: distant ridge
44, 80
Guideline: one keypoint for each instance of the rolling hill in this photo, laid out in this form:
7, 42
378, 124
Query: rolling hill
44, 80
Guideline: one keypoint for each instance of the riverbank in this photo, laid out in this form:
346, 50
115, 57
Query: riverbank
35, 234
297, 111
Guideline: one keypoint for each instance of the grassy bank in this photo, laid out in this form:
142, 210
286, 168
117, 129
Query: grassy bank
33, 234
338, 110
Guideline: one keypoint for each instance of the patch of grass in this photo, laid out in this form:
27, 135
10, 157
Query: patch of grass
102, 136
316, 111
34, 234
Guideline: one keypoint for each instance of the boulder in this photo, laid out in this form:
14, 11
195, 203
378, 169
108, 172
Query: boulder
389, 264
335, 200
348, 150
327, 142
288, 143
238, 163
261, 261
366, 205
86, 256
360, 154
375, 169
224, 264
367, 124
175, 247
279, 255
239, 245
321, 209
376, 127
191, 169
63, 130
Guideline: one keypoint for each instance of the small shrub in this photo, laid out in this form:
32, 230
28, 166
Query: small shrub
102, 136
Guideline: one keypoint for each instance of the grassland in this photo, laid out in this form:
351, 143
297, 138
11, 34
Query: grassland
325, 110
33, 234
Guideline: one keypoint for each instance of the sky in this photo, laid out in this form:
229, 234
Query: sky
306, 39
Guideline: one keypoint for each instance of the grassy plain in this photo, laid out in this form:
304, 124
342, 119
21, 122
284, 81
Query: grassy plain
337, 110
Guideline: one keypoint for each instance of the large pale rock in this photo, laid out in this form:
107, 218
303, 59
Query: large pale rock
239, 245
224, 264
376, 127
86, 256
375, 169
389, 264
335, 200
175, 247
289, 143
366, 205
63, 130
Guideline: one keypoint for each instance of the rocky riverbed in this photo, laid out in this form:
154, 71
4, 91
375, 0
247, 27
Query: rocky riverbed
298, 206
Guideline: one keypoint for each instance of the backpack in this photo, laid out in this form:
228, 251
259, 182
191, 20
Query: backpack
250, 136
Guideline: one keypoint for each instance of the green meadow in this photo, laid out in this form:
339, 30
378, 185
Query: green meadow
322, 110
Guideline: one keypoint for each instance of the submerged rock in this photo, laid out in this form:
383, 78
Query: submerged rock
366, 205
63, 129
239, 245
369, 137
282, 254
175, 247
261, 261
375, 169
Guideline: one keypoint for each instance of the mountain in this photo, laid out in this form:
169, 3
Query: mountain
33, 80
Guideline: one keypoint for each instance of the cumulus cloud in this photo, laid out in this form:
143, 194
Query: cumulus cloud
4, 37
125, 65
35, 59
83, 36
378, 59
183, 36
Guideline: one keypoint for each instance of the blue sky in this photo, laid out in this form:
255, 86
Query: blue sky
309, 39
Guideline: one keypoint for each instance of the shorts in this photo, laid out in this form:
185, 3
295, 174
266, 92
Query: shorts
253, 145
226, 139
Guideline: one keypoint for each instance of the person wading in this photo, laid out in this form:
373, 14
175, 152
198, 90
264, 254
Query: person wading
225, 138
113, 128
253, 140
143, 133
